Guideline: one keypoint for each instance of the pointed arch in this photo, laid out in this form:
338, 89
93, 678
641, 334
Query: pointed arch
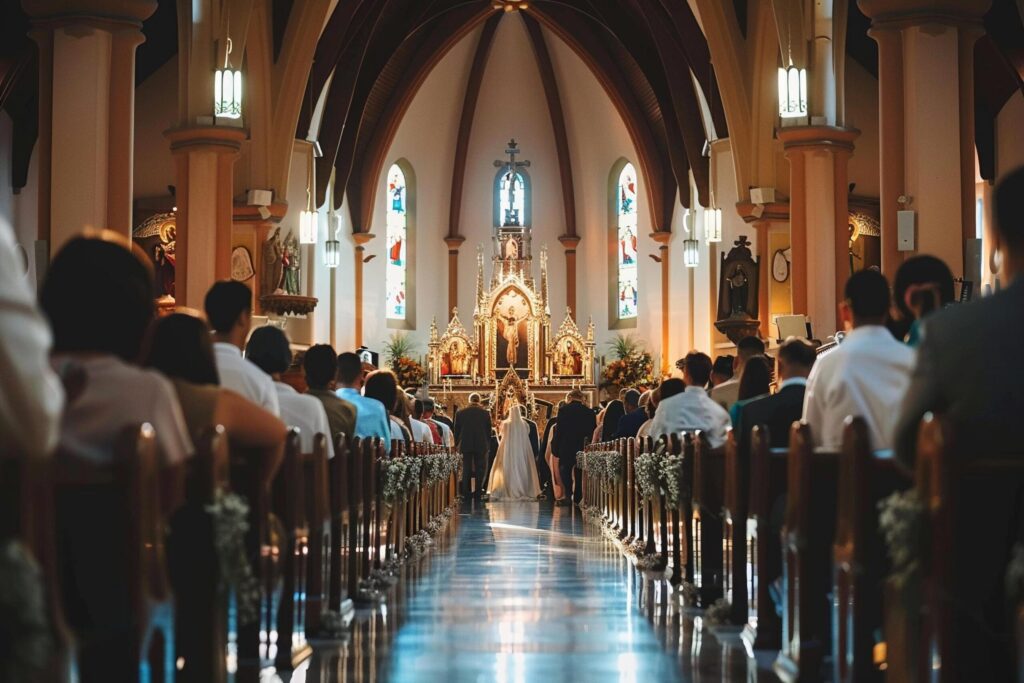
400, 246
623, 238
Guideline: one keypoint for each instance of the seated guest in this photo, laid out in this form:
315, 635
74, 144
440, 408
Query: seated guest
33, 397
780, 410
866, 375
755, 383
428, 429
653, 397
686, 406
430, 418
629, 424
321, 366
727, 393
969, 366
371, 416
721, 371
269, 350
613, 412
383, 386
229, 309
923, 284
180, 348
99, 297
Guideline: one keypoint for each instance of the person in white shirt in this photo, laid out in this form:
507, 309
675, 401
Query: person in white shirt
269, 350
685, 406
420, 430
31, 396
728, 392
229, 310
99, 297
866, 376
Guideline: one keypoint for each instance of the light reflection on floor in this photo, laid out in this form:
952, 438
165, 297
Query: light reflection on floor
522, 592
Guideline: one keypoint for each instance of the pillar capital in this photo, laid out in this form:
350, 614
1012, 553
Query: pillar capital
818, 138
662, 237
454, 242
362, 238
751, 213
570, 242
246, 213
219, 139
104, 14
899, 13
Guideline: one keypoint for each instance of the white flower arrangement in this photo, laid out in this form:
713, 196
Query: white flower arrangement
719, 613
230, 515
670, 472
902, 521
332, 625
417, 544
688, 592
25, 643
646, 469
392, 474
648, 561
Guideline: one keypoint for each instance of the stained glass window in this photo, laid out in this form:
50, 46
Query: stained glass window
397, 244
515, 210
626, 244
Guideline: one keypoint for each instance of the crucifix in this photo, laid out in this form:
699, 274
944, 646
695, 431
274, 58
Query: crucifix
511, 214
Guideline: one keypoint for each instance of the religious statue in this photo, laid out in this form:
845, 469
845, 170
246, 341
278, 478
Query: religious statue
511, 249
290, 260
738, 291
458, 358
570, 362
511, 333
164, 264
273, 264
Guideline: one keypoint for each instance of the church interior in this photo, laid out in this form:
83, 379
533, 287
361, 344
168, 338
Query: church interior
259, 257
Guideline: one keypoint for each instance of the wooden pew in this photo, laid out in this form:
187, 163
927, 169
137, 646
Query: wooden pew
345, 508
110, 550
860, 563
706, 504
735, 557
680, 516
972, 517
27, 517
767, 485
321, 538
289, 506
202, 613
807, 558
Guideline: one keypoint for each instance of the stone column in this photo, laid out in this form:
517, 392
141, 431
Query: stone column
819, 219
570, 242
453, 242
361, 239
86, 112
204, 159
926, 120
663, 238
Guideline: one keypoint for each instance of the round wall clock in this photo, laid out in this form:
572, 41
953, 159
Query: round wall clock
780, 266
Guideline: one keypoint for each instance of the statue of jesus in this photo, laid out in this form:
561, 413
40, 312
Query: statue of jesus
511, 334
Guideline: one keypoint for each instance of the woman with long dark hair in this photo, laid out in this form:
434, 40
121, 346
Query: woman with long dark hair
755, 383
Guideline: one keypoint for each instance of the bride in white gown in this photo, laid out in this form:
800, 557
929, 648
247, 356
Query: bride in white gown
514, 474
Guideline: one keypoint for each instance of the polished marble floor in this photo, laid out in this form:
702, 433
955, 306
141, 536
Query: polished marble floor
524, 592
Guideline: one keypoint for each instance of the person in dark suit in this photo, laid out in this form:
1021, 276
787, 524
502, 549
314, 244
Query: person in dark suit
543, 468
969, 367
629, 424
472, 437
576, 424
780, 410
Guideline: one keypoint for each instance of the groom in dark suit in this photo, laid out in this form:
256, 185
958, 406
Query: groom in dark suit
780, 410
576, 424
473, 438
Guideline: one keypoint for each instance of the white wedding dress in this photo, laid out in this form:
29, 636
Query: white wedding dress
513, 473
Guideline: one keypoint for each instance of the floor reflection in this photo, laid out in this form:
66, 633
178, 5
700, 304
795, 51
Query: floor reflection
522, 592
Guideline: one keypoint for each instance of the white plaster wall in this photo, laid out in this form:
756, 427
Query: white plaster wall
156, 109
862, 114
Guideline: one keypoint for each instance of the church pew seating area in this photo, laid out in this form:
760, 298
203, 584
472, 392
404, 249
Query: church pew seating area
837, 566
212, 571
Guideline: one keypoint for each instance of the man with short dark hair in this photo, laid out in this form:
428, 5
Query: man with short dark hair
721, 371
321, 367
780, 410
576, 423
728, 392
865, 376
228, 307
371, 416
629, 424
473, 435
685, 405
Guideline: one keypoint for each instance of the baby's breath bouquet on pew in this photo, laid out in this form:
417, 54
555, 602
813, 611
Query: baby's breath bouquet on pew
670, 471
647, 470
393, 476
230, 514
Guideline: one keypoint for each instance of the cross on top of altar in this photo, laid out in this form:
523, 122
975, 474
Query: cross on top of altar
511, 215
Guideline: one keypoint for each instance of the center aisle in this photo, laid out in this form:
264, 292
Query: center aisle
524, 593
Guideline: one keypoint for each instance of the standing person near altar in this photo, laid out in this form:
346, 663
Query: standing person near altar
576, 423
473, 435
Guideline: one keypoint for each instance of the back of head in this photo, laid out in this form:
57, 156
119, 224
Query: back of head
796, 357
697, 366
723, 367
269, 349
474, 399
99, 296
922, 270
225, 302
180, 347
383, 386
1009, 210
756, 377
350, 368
428, 405
748, 347
418, 409
575, 395
867, 295
672, 386
320, 364
632, 399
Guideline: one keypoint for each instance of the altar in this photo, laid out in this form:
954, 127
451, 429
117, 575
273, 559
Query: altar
509, 351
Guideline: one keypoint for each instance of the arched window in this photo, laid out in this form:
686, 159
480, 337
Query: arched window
397, 276
625, 233
512, 205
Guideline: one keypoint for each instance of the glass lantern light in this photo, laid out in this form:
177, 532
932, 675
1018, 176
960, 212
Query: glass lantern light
227, 90
307, 222
713, 225
792, 92
691, 253
332, 253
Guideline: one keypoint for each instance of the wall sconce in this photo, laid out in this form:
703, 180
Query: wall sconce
792, 92
713, 225
227, 90
691, 253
